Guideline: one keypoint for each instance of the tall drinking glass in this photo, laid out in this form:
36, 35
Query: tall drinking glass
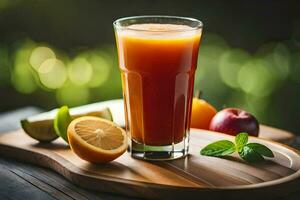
158, 58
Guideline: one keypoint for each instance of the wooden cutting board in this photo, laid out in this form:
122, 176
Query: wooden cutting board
193, 177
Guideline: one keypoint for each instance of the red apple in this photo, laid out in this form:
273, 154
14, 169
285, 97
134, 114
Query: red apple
233, 121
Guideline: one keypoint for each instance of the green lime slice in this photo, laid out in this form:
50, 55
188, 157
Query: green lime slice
61, 122
41, 127
63, 118
42, 131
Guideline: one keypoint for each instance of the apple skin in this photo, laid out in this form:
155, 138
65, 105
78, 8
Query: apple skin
232, 121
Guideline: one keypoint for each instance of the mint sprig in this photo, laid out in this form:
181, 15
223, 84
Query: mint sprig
220, 148
250, 152
241, 140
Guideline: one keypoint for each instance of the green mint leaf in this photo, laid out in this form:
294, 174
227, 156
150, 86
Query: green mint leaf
248, 154
261, 149
219, 148
241, 140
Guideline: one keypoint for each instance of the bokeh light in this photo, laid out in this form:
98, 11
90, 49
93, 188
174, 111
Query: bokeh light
22, 78
52, 73
209, 54
207, 79
278, 57
256, 78
253, 104
80, 71
281, 60
72, 95
39, 55
101, 66
230, 63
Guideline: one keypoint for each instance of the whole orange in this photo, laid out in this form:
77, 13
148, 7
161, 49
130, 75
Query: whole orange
202, 113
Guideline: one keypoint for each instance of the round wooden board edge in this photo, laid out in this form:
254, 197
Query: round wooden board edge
141, 189
288, 138
135, 186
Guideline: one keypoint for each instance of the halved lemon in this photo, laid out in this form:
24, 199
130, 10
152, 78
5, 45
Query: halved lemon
96, 140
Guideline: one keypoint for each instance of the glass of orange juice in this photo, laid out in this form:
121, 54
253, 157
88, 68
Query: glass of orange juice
157, 59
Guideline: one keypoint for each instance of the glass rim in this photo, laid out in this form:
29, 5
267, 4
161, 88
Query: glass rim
117, 22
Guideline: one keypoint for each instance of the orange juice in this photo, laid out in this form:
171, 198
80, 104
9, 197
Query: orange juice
158, 63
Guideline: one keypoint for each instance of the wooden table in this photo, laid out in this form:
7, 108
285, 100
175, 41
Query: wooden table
25, 181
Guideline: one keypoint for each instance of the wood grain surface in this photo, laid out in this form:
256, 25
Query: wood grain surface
277, 135
191, 177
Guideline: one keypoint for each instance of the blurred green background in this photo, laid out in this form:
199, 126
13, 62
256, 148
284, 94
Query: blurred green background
63, 52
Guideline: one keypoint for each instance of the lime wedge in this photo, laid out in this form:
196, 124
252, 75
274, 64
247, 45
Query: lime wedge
61, 122
41, 126
42, 131
63, 119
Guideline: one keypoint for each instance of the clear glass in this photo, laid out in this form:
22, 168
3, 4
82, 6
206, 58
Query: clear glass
157, 59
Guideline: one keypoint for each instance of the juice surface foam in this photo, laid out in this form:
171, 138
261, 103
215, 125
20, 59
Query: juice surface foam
159, 31
160, 27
